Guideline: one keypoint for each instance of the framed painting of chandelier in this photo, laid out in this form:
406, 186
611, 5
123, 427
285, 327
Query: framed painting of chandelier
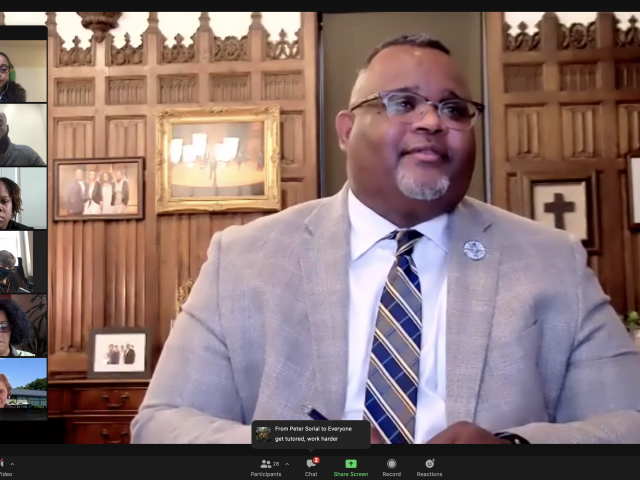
218, 159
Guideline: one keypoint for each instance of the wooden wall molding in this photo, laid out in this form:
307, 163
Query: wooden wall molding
100, 23
566, 98
102, 104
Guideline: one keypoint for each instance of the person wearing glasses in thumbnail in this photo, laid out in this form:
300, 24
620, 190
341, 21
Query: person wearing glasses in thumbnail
10, 205
12, 155
15, 329
10, 91
436, 317
11, 281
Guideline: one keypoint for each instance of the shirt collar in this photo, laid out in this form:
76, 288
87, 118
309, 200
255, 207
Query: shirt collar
368, 228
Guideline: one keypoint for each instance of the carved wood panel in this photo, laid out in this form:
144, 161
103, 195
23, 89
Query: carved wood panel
564, 101
104, 98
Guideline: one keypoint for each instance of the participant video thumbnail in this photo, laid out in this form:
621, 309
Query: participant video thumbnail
23, 389
24, 326
23, 71
23, 197
23, 134
17, 259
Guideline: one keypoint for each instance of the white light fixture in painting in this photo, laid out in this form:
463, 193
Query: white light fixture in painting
188, 155
199, 142
175, 150
232, 144
220, 151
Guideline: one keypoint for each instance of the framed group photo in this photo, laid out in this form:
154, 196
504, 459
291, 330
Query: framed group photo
123, 353
98, 189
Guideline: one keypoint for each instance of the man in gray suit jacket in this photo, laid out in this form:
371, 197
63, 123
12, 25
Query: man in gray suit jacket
438, 318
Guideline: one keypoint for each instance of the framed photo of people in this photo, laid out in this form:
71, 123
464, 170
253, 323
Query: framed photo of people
120, 352
98, 189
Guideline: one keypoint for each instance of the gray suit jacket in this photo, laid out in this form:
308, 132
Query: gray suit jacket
533, 346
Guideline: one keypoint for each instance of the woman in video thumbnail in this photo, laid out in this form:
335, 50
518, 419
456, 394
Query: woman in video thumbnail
10, 205
11, 281
15, 329
5, 393
10, 91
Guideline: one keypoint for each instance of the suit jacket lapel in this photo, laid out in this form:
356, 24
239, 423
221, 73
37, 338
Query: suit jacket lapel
325, 269
472, 287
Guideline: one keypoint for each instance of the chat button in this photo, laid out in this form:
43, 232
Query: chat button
311, 463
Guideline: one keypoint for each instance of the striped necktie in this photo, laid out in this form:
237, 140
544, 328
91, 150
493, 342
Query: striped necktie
392, 385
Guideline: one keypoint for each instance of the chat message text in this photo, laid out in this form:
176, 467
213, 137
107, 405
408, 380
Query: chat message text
310, 434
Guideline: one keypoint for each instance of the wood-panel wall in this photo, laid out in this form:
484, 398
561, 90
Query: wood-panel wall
564, 104
102, 102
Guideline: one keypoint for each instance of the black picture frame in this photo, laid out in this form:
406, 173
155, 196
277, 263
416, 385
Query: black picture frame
123, 375
590, 182
633, 163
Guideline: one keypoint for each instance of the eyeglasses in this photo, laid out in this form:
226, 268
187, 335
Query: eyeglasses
5, 327
4, 69
456, 113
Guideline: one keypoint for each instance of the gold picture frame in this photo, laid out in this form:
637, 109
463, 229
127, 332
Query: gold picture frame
218, 159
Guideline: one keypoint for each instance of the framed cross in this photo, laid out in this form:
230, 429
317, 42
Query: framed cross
559, 208
566, 200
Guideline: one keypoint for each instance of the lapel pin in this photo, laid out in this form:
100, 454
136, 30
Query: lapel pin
474, 250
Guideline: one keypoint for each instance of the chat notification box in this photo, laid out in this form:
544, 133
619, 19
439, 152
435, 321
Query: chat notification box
310, 434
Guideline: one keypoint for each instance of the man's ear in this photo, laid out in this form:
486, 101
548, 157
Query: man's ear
344, 125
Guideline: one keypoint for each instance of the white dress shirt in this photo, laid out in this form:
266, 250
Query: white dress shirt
371, 261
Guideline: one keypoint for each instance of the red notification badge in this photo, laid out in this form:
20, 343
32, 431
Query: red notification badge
316, 460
